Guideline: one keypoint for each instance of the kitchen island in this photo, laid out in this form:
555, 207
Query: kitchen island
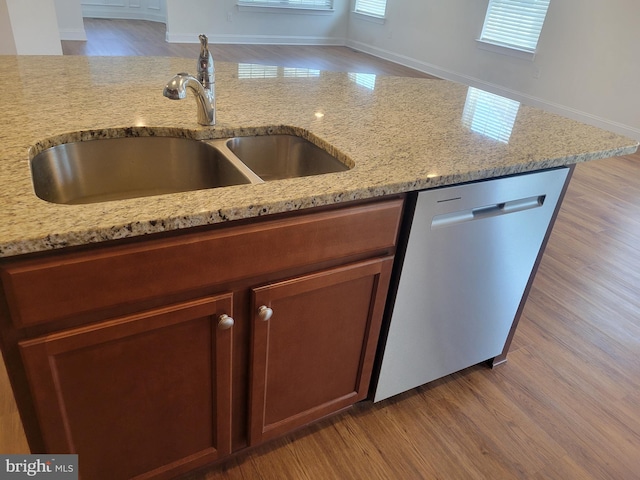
399, 136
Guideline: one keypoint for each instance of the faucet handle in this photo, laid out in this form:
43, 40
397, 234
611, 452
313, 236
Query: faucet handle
205, 65
204, 44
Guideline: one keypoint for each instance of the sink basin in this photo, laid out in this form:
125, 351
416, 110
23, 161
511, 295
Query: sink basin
274, 157
129, 167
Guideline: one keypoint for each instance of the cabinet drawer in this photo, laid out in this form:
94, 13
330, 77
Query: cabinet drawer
68, 284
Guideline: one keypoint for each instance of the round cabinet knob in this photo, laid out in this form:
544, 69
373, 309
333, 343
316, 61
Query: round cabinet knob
225, 322
265, 312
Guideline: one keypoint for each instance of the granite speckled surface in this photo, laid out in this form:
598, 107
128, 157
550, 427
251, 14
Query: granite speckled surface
403, 134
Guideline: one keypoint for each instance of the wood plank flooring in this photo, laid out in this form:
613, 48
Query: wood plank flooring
138, 37
565, 406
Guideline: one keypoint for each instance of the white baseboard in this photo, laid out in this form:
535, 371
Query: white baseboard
73, 34
255, 39
560, 109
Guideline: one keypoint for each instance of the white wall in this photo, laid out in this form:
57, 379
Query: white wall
7, 44
70, 24
587, 65
34, 26
224, 22
153, 10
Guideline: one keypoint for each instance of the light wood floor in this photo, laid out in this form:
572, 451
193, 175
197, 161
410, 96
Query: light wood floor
565, 406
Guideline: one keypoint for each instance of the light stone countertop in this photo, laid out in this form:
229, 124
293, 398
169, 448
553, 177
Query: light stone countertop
401, 135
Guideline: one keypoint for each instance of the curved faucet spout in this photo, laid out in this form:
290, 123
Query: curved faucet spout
176, 89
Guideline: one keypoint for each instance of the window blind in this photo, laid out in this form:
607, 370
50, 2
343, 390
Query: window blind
375, 8
514, 23
311, 4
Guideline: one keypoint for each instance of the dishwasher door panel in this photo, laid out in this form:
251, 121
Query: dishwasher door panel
470, 254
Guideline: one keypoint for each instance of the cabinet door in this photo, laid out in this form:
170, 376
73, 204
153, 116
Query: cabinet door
313, 345
145, 396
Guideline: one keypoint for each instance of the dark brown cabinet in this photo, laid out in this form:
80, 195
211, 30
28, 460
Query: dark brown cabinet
151, 357
313, 345
153, 388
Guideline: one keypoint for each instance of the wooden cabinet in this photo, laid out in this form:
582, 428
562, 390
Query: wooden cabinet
313, 345
144, 395
116, 353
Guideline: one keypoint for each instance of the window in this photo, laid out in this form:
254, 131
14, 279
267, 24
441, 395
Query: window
373, 8
514, 24
301, 4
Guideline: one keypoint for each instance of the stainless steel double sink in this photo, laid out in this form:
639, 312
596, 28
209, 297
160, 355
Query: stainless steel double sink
130, 167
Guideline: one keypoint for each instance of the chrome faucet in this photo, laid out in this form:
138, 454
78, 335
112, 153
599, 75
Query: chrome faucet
202, 86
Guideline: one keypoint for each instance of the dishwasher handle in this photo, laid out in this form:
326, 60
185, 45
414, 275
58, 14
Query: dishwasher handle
487, 211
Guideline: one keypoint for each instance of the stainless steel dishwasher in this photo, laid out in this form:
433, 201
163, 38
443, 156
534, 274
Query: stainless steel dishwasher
470, 253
